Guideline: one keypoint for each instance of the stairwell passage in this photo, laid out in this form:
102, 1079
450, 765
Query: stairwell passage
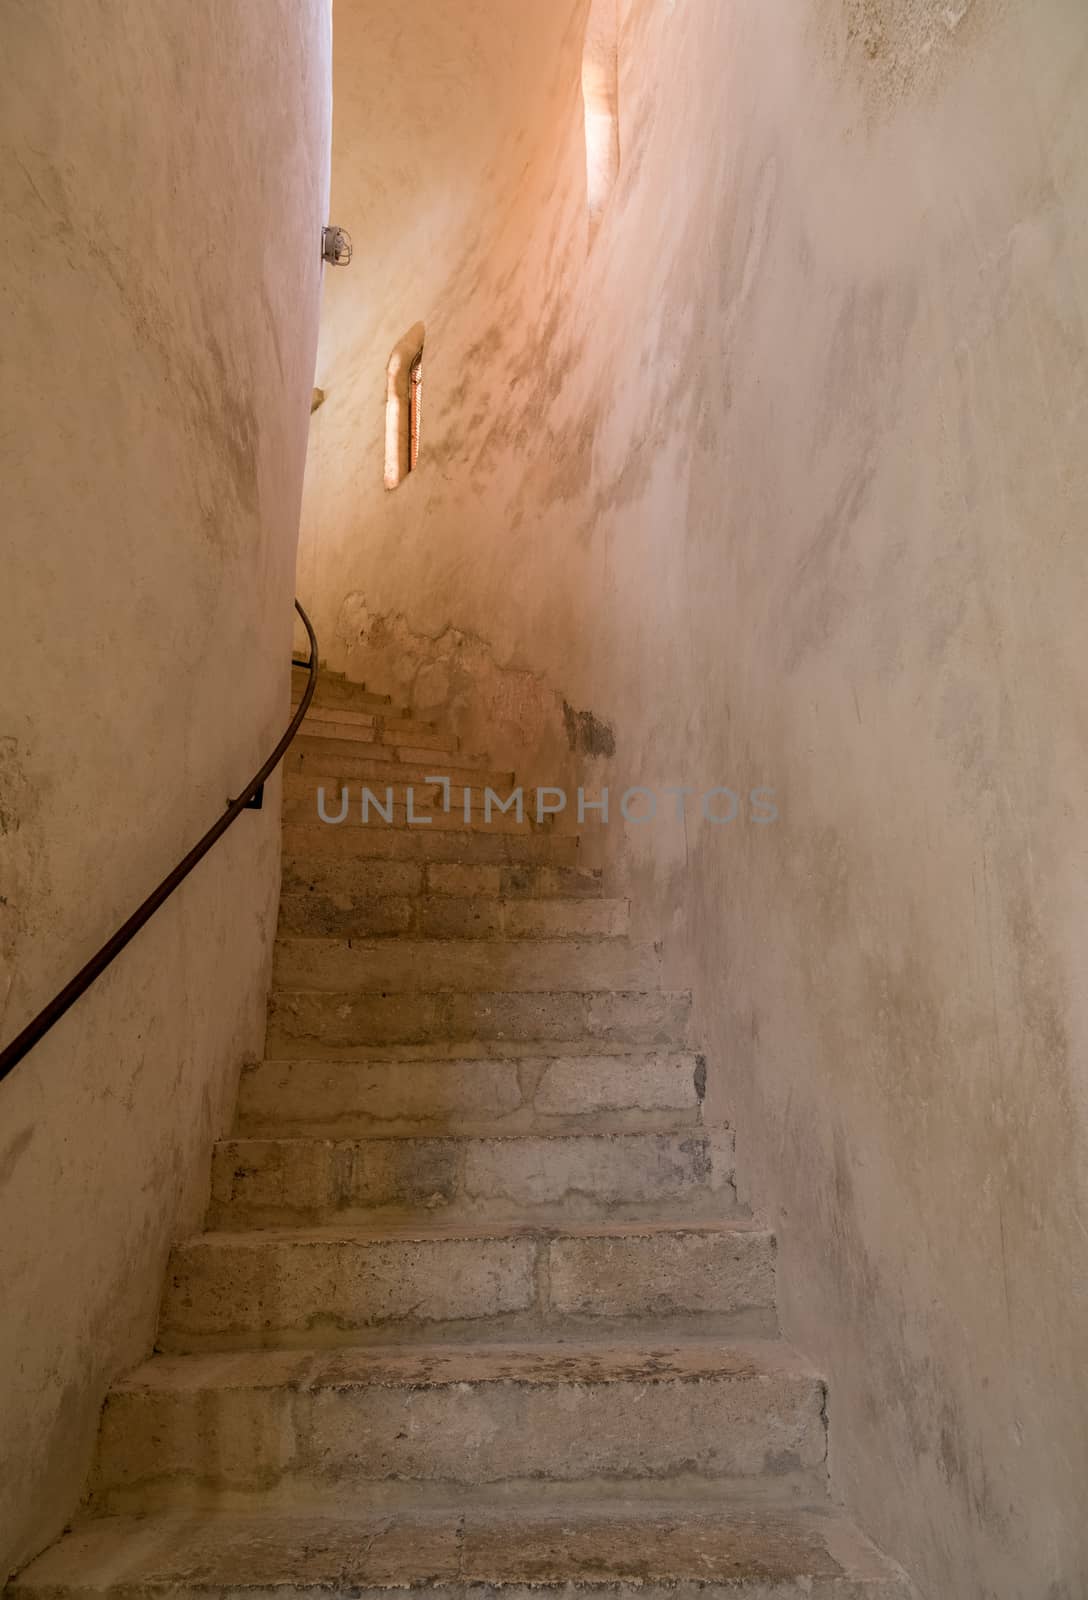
477, 1311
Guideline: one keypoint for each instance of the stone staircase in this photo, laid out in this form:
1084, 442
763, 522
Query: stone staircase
477, 1310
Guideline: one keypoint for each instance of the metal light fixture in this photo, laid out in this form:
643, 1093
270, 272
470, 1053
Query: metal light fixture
335, 246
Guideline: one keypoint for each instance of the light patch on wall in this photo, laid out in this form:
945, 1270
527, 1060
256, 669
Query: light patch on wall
600, 98
403, 405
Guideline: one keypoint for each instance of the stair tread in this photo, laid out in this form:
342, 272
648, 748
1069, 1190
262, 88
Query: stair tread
629, 992
523, 1052
324, 911
598, 1547
309, 840
414, 769
349, 717
346, 963
428, 1232
484, 1050
702, 1130
426, 946
556, 902
545, 1362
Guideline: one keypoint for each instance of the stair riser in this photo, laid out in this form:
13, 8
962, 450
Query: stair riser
353, 702
305, 842
347, 1099
343, 735
511, 965
382, 732
330, 1025
447, 917
346, 882
234, 1445
337, 722
331, 760
340, 694
268, 1183
682, 1549
304, 776
378, 765
304, 797
272, 1291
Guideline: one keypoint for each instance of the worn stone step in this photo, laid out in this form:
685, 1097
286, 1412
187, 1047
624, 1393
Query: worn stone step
427, 798
304, 798
381, 764
281, 1182
444, 916
652, 1551
386, 737
334, 689
333, 1025
282, 1428
466, 1047
315, 840
512, 882
636, 1092
371, 749
341, 881
320, 1287
320, 718
399, 966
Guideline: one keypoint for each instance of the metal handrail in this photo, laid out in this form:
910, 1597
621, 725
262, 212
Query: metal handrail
60, 1003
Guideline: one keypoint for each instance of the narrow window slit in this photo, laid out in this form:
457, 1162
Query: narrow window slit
403, 407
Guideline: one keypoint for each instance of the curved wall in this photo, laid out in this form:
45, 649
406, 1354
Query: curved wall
163, 172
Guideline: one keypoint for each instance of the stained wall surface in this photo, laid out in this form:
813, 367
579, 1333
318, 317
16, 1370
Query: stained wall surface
163, 181
784, 482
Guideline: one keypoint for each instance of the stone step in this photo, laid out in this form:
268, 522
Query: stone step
402, 966
613, 1551
305, 797
335, 690
446, 916
322, 1287
345, 881
421, 758
358, 898
283, 1428
271, 1183
314, 840
379, 764
321, 718
637, 1092
427, 798
332, 1026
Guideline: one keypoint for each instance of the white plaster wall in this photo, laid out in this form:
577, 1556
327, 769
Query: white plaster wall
786, 481
163, 181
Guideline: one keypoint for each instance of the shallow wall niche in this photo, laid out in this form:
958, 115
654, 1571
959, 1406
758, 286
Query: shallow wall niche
600, 96
403, 398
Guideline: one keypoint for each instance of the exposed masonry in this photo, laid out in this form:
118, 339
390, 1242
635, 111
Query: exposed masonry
474, 1261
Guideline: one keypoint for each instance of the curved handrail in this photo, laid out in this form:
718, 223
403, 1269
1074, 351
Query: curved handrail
60, 1003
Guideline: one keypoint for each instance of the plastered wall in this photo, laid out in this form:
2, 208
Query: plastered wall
785, 482
163, 181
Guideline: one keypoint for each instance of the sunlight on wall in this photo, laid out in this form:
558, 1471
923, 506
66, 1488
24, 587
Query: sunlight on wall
600, 95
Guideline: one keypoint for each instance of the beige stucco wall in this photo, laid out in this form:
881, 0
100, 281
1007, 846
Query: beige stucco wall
786, 482
163, 181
